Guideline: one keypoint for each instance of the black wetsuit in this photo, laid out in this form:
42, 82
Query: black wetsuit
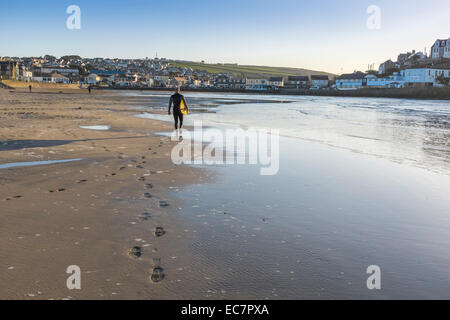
176, 99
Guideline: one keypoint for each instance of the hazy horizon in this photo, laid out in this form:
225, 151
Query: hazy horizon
321, 36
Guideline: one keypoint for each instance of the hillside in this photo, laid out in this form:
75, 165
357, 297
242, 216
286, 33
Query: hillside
247, 71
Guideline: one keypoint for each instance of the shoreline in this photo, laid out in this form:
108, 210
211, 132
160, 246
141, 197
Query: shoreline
414, 93
406, 93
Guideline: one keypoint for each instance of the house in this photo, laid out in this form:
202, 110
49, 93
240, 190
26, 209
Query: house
319, 81
59, 78
237, 83
93, 79
7, 69
160, 81
386, 66
441, 49
393, 81
51, 78
226, 82
351, 81
424, 77
276, 82
222, 82
297, 82
256, 84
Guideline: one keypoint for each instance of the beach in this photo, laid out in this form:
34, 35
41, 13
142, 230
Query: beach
360, 183
92, 211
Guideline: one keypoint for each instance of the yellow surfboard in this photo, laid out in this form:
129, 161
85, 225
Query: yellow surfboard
183, 108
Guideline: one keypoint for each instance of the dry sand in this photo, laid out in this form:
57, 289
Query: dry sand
89, 213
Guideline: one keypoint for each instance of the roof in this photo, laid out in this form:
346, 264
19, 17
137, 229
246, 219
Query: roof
441, 42
107, 72
298, 78
276, 79
319, 77
355, 75
57, 75
427, 68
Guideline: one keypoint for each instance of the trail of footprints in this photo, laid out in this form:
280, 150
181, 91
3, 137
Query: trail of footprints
157, 272
136, 252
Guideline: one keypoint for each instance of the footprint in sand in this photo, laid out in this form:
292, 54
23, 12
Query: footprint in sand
145, 216
163, 204
139, 167
148, 186
81, 181
14, 197
57, 190
157, 272
148, 195
135, 252
122, 168
111, 175
141, 179
159, 232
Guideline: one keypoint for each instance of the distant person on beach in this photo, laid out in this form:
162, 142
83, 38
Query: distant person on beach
30, 87
175, 100
89, 89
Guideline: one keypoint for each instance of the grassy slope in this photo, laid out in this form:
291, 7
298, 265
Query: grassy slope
248, 71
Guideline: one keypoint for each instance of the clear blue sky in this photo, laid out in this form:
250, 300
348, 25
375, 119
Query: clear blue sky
327, 35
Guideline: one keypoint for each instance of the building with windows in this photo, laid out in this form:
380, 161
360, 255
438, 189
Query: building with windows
319, 81
425, 76
441, 49
256, 84
276, 82
351, 81
297, 82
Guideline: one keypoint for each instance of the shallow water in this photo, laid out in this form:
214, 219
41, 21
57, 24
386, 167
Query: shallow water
312, 230
361, 182
34, 163
99, 128
414, 132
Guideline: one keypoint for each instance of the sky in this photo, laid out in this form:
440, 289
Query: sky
325, 35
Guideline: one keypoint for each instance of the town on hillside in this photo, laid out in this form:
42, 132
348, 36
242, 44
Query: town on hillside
412, 69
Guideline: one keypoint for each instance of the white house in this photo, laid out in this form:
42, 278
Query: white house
441, 49
256, 84
392, 81
319, 81
424, 76
93, 79
58, 78
352, 81
51, 78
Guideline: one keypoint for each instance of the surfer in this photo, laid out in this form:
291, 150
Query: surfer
179, 103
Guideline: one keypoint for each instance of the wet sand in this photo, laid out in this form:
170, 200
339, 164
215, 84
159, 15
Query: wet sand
128, 217
109, 213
